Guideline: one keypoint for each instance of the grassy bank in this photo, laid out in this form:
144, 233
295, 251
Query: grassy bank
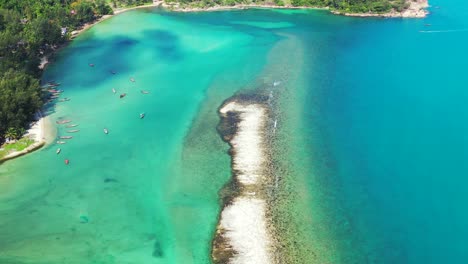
19, 145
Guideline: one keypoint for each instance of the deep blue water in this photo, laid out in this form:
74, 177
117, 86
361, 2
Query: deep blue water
392, 111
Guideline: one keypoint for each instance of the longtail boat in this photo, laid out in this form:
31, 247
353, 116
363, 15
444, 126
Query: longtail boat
62, 121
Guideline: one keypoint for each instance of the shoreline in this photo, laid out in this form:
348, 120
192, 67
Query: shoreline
415, 10
243, 234
118, 11
38, 133
45, 60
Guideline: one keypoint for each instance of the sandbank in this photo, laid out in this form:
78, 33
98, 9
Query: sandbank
242, 234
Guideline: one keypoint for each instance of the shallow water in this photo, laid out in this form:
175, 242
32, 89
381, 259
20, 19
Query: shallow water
371, 146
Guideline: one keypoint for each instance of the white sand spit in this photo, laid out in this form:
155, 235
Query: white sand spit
243, 220
247, 143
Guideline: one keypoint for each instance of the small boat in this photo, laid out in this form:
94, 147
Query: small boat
91, 65
113, 90
427, 25
58, 151
66, 137
132, 79
123, 95
145, 92
73, 125
142, 115
113, 72
67, 161
73, 131
64, 99
62, 121
106, 131
61, 142
53, 84
276, 83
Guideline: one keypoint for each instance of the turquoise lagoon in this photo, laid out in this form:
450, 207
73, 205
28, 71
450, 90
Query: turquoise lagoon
371, 145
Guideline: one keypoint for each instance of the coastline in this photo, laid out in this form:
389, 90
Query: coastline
243, 232
415, 10
39, 132
118, 11
75, 33
178, 8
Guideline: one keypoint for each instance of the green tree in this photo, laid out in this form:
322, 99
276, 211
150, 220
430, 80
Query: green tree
20, 99
40, 34
102, 8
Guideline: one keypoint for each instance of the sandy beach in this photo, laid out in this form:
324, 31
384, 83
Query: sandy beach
41, 132
242, 229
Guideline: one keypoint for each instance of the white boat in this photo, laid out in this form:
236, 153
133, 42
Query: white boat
62, 121
106, 131
73, 131
142, 115
61, 142
58, 150
113, 90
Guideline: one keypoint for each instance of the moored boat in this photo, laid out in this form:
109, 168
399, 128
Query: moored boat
123, 95
142, 115
53, 84
113, 90
145, 92
106, 131
67, 161
64, 99
58, 150
91, 65
132, 79
73, 131
72, 125
62, 121
66, 137
61, 142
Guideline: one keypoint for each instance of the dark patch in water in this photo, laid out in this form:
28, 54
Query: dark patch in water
157, 250
125, 42
166, 43
84, 219
107, 180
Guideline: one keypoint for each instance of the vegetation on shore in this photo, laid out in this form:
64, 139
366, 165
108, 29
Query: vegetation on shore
18, 145
30, 30
343, 6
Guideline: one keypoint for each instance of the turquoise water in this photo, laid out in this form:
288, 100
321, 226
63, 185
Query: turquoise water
371, 141
393, 115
